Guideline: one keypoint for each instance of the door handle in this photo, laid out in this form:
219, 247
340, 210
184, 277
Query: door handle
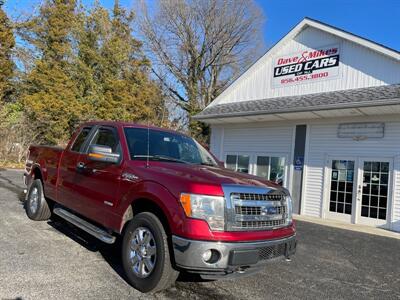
359, 191
80, 166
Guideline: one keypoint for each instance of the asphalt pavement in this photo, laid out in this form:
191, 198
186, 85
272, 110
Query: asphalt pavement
54, 260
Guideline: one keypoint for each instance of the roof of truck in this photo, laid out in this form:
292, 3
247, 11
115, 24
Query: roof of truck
129, 124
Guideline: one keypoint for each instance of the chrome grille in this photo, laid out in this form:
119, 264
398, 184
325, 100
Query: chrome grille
258, 211
258, 197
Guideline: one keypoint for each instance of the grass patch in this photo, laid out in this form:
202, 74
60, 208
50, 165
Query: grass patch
11, 165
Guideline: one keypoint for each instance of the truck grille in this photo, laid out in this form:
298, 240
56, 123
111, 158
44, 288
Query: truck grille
261, 224
271, 252
258, 197
258, 211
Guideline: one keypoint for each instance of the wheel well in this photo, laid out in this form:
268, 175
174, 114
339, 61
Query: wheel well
146, 205
38, 174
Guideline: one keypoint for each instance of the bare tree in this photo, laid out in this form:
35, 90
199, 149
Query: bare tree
202, 44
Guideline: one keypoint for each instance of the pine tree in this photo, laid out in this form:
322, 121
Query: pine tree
7, 43
51, 96
113, 72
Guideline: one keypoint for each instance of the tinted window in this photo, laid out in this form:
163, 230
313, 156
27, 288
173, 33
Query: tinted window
164, 145
106, 137
81, 139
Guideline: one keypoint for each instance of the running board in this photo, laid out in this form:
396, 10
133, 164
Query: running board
97, 232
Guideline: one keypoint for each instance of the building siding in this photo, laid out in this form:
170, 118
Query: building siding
323, 142
396, 194
252, 140
359, 67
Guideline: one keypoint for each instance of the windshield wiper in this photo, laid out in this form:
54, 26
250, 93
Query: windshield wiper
169, 158
162, 157
207, 164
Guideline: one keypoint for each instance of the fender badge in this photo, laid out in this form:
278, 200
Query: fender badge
129, 176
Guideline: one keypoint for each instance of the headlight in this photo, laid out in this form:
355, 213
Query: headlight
289, 209
204, 207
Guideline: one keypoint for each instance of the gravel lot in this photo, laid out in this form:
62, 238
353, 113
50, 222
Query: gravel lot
53, 260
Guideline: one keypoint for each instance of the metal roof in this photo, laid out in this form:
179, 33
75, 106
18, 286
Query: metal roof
352, 98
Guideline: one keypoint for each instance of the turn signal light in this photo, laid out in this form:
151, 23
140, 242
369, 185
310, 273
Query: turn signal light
96, 155
185, 201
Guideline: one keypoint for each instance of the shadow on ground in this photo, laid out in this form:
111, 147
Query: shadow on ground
112, 255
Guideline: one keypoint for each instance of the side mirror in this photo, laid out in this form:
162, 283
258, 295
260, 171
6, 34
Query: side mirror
103, 154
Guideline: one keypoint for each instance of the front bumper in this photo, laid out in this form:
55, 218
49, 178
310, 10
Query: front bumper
234, 257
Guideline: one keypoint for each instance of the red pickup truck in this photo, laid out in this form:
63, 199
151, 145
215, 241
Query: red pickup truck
172, 203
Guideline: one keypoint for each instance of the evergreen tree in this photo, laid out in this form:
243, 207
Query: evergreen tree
88, 66
51, 96
7, 43
113, 72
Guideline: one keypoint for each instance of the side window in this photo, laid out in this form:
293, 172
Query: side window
271, 168
80, 139
238, 163
106, 137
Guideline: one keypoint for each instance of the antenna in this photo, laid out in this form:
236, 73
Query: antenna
148, 143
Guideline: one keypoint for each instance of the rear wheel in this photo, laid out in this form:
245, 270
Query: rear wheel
145, 254
36, 205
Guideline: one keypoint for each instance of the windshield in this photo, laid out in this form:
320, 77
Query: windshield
166, 146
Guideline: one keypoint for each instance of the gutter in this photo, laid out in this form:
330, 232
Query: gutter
295, 109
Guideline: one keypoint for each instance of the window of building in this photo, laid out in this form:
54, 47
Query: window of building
238, 163
271, 168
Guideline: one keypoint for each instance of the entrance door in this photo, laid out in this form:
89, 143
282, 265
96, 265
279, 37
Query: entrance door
341, 189
358, 190
373, 191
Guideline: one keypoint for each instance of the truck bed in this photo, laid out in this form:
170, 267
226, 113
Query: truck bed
48, 157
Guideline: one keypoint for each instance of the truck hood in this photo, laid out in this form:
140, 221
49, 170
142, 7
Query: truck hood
180, 178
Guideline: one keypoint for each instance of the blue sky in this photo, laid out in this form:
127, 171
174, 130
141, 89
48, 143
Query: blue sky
378, 20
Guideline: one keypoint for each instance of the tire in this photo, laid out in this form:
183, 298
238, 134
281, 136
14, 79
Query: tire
147, 226
36, 205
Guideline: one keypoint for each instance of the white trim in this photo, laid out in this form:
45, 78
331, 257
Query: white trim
396, 163
221, 146
290, 164
352, 38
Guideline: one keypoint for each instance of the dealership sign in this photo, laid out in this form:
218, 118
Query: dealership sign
306, 66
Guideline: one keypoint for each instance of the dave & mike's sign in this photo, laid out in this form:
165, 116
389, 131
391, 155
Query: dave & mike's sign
306, 66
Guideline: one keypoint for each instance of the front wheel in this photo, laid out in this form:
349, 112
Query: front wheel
145, 254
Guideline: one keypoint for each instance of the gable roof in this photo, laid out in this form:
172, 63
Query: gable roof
308, 22
353, 98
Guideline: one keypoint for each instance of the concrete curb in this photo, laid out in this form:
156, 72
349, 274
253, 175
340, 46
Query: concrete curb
347, 226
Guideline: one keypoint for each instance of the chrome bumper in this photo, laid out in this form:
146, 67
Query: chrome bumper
234, 257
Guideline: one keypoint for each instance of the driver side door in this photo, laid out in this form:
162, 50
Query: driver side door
99, 182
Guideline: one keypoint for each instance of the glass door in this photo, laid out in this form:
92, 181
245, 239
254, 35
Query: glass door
373, 191
341, 189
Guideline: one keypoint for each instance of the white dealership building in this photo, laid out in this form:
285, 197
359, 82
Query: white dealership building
319, 113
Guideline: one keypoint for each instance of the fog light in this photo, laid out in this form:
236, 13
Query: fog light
211, 256
207, 255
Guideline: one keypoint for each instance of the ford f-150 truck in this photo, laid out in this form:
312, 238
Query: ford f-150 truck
175, 207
